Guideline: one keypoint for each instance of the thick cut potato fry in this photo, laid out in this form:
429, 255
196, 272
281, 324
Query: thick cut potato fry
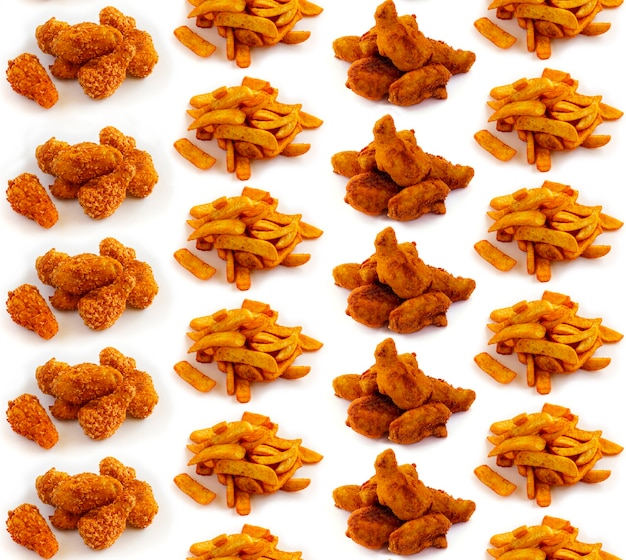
194, 264
194, 489
494, 256
194, 42
494, 33
494, 480
494, 145
194, 377
494, 368
193, 154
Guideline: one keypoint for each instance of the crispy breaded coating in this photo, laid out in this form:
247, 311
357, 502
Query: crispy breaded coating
27, 197
47, 482
81, 383
418, 534
110, 15
101, 77
100, 418
370, 526
82, 492
101, 307
371, 77
146, 176
400, 267
371, 304
82, 42
102, 196
28, 418
371, 415
112, 357
146, 396
47, 32
421, 422
46, 264
146, 288
399, 39
47, 373
46, 153
28, 528
416, 313
29, 309
415, 201
403, 382
27, 77
370, 191
102, 526
406, 162
457, 510
146, 55
81, 162
111, 247
414, 87
400, 489
81, 273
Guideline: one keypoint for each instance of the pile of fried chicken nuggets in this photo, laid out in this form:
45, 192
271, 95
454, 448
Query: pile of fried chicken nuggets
99, 56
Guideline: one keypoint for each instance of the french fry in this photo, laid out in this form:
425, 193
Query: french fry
494, 145
193, 154
194, 377
494, 33
194, 42
494, 368
194, 264
194, 489
494, 480
494, 256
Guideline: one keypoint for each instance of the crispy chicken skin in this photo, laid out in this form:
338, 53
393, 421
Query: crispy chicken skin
405, 162
416, 424
102, 526
28, 197
101, 417
28, 308
371, 304
82, 492
418, 534
28, 418
416, 86
371, 526
370, 415
371, 77
101, 77
416, 313
400, 489
399, 39
404, 383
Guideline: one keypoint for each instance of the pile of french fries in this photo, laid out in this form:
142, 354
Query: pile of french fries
553, 539
548, 114
545, 21
252, 542
248, 345
248, 233
246, 24
549, 338
248, 123
249, 459
549, 450
549, 225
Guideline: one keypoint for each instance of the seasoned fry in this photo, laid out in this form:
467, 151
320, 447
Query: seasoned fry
196, 491
194, 42
494, 145
498, 36
494, 256
548, 449
194, 377
550, 224
194, 264
548, 113
193, 154
549, 337
494, 480
249, 458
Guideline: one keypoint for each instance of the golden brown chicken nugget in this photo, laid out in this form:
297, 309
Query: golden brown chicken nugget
27, 76
370, 526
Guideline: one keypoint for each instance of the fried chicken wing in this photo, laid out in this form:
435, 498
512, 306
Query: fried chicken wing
47, 373
414, 201
146, 396
84, 382
27, 308
456, 288
27, 77
82, 273
400, 489
28, 528
101, 77
400, 267
370, 191
47, 482
418, 534
457, 61
82, 42
102, 196
371, 415
102, 307
414, 87
80, 162
457, 510
102, 526
101, 417
372, 304
372, 76
146, 288
399, 39
28, 418
83, 492
455, 398
416, 424
46, 153
47, 32
414, 314
406, 385
371, 526
406, 162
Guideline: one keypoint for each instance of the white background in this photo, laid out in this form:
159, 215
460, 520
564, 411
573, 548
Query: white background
153, 111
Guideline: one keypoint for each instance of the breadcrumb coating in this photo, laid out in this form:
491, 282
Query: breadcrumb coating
29, 198
29, 78
29, 528
28, 418
29, 309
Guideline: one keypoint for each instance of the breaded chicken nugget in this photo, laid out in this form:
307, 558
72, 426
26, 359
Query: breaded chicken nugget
28, 418
82, 42
27, 76
84, 272
29, 528
82, 492
27, 197
29, 309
